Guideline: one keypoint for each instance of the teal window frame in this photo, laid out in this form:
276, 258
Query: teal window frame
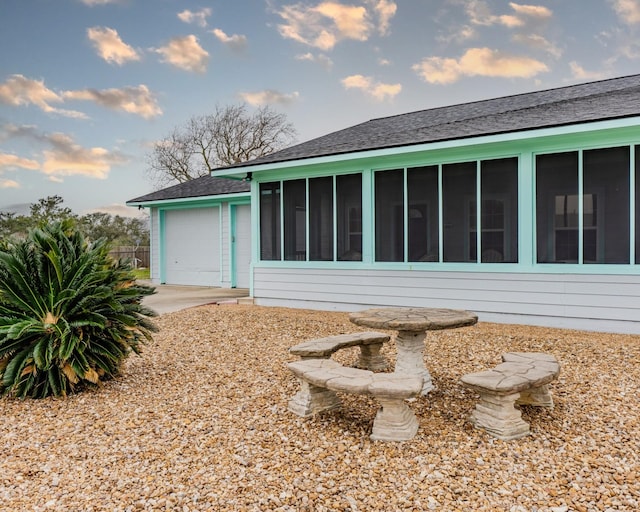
476, 166
633, 260
525, 147
336, 212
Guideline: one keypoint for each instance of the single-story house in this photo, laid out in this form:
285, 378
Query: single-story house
523, 209
200, 232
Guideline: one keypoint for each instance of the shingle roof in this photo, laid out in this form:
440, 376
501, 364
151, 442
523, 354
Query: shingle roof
199, 187
593, 101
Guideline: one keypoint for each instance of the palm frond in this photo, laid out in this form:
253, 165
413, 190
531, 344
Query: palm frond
69, 315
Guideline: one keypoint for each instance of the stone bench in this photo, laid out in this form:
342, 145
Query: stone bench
320, 379
370, 344
521, 378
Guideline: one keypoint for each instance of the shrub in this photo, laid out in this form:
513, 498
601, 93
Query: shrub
69, 314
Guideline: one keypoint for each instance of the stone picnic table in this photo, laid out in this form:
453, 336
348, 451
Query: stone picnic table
412, 325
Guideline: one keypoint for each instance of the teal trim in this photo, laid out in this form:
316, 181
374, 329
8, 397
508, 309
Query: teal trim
162, 246
526, 210
475, 147
193, 202
580, 209
306, 220
221, 242
525, 148
440, 215
281, 220
335, 219
632, 205
405, 214
478, 213
368, 219
484, 268
152, 237
241, 200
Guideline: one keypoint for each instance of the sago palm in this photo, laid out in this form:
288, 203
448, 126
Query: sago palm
69, 314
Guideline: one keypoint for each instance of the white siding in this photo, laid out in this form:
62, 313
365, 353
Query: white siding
155, 246
226, 247
590, 302
192, 246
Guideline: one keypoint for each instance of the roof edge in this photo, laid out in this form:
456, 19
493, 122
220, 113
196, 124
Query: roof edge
190, 199
587, 126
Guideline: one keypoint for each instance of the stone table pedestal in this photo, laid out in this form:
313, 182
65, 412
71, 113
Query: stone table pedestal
412, 325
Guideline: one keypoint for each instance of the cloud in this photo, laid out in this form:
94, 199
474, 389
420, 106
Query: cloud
538, 42
10, 161
459, 35
325, 24
198, 17
376, 90
629, 47
185, 53
268, 97
66, 158
320, 58
235, 42
627, 10
110, 47
61, 155
478, 62
386, 10
19, 90
134, 100
11, 131
7, 183
531, 11
351, 21
579, 73
480, 14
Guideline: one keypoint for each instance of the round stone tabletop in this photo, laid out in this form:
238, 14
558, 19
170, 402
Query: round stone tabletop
413, 319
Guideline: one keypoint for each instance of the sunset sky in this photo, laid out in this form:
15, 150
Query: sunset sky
86, 86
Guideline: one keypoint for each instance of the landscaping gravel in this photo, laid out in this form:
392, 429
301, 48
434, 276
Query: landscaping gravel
200, 422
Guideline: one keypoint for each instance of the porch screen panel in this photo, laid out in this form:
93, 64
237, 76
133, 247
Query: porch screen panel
637, 212
321, 219
422, 186
349, 217
606, 205
270, 221
557, 207
295, 221
389, 215
499, 211
459, 194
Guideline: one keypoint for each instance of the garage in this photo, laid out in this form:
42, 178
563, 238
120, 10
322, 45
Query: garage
192, 254
200, 232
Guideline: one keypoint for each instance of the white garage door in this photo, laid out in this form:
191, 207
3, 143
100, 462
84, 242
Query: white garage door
242, 249
192, 246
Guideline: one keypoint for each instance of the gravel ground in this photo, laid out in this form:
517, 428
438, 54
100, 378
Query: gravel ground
200, 422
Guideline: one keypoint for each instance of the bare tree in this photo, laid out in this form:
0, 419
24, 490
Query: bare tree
228, 136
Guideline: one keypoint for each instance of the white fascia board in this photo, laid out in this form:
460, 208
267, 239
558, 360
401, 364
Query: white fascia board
570, 129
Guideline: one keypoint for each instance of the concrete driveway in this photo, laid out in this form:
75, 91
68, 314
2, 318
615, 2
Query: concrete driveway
169, 298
